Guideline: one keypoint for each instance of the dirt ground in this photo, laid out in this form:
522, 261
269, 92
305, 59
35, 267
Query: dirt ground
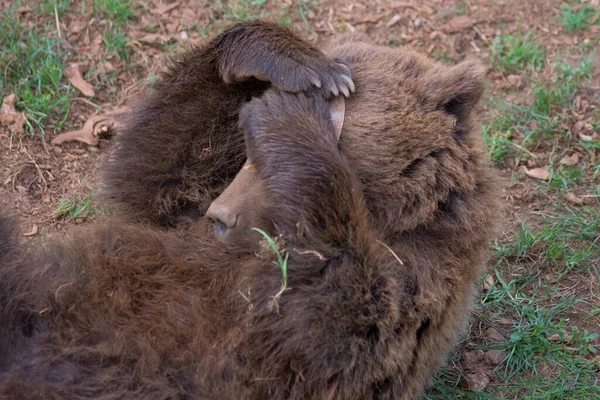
551, 173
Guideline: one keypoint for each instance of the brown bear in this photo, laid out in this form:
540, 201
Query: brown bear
382, 235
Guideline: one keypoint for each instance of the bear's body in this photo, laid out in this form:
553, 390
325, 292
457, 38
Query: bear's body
386, 233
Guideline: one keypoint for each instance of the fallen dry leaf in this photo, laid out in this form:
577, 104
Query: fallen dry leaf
537, 173
32, 232
588, 138
488, 283
554, 338
427, 10
596, 361
458, 24
394, 20
565, 338
472, 358
573, 199
476, 382
164, 8
515, 81
570, 160
578, 126
403, 4
506, 321
73, 74
495, 357
370, 19
91, 130
95, 47
155, 38
10, 117
495, 335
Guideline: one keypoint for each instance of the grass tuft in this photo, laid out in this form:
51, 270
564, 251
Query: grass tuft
118, 12
74, 207
514, 52
282, 259
579, 17
32, 66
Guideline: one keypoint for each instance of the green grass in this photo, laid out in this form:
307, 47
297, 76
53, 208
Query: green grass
74, 207
548, 352
116, 42
55, 6
443, 56
282, 259
541, 120
114, 37
32, 65
241, 10
118, 12
32, 61
513, 53
563, 88
578, 18
568, 239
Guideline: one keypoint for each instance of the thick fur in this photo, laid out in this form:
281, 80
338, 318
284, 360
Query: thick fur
386, 233
182, 144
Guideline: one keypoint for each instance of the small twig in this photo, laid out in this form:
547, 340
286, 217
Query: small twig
58, 290
56, 18
481, 35
313, 252
391, 251
88, 102
37, 168
525, 150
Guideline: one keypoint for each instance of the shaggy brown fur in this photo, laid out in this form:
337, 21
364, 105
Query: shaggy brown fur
182, 144
386, 233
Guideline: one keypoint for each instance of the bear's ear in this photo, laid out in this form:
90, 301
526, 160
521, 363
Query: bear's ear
458, 89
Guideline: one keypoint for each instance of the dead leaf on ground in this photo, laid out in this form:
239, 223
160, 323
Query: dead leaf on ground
472, 358
394, 20
10, 117
516, 81
570, 160
91, 130
73, 74
155, 38
370, 19
537, 173
596, 361
588, 138
458, 24
506, 321
578, 126
161, 8
495, 335
495, 357
403, 4
488, 283
32, 232
476, 382
557, 337
573, 199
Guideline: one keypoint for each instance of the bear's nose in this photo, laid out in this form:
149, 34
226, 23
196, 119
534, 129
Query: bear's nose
224, 218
